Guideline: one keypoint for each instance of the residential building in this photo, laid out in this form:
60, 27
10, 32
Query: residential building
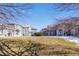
34, 30
15, 30
67, 27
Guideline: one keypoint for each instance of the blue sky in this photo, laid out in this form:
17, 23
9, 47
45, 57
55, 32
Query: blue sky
44, 14
40, 16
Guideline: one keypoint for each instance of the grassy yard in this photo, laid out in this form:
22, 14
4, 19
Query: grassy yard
39, 46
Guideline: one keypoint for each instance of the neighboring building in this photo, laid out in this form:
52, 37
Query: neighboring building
27, 29
68, 27
34, 30
15, 30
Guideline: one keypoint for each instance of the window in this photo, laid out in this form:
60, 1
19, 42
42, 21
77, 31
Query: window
17, 32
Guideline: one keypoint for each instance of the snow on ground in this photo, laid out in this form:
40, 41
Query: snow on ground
69, 38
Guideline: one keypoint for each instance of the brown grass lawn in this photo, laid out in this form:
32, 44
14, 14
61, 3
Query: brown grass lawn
39, 46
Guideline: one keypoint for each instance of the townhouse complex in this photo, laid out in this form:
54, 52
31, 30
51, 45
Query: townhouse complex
66, 27
16, 30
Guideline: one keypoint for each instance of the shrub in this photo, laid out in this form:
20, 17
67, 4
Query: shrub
38, 34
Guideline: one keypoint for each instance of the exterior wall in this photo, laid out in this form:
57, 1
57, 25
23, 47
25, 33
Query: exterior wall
49, 32
27, 30
3, 32
60, 32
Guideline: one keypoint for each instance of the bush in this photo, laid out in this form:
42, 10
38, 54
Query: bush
38, 34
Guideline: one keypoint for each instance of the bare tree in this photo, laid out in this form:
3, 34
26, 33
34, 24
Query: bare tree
31, 48
11, 11
65, 6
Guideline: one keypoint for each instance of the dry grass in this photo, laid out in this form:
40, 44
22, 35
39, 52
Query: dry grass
41, 46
